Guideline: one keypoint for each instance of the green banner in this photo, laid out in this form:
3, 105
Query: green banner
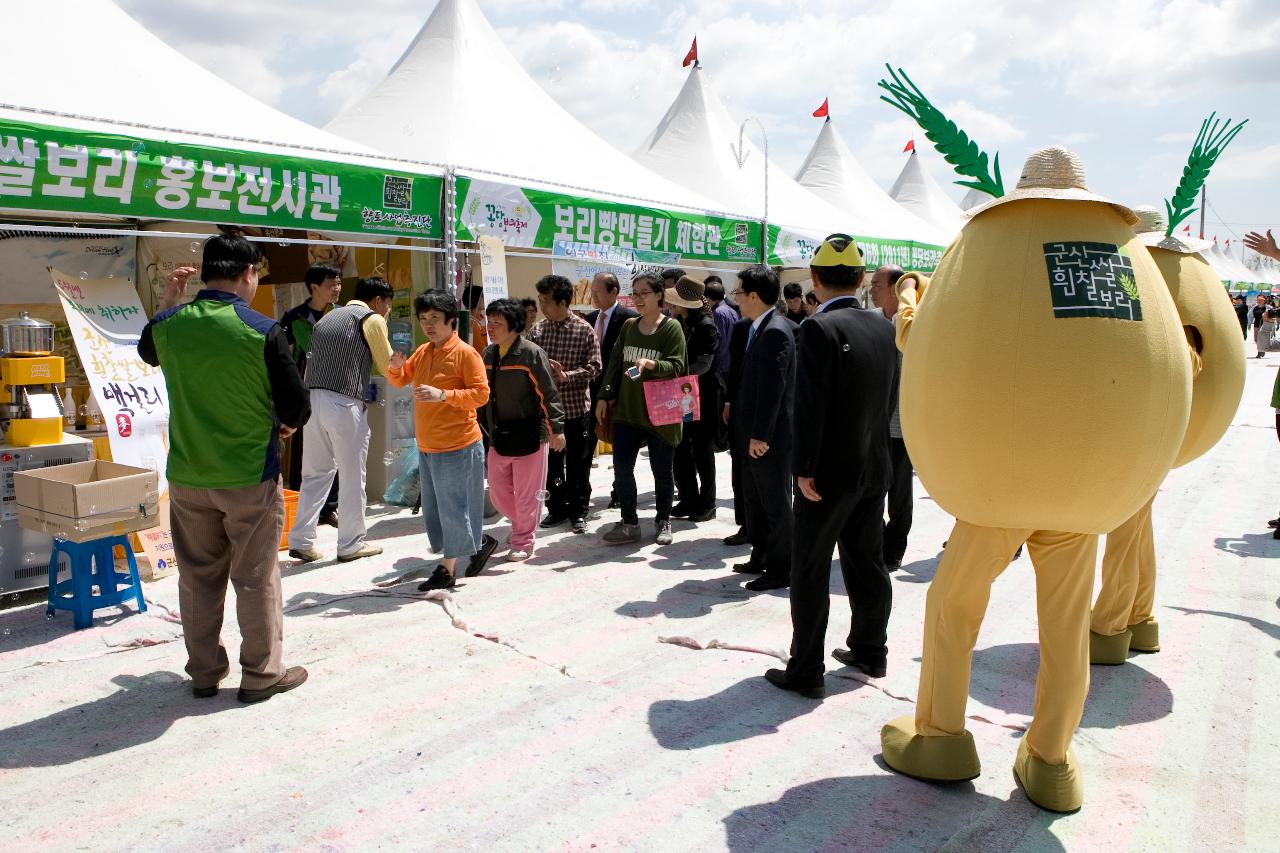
51, 169
790, 249
538, 219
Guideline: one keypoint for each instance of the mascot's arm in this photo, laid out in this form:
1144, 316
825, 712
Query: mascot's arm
911, 289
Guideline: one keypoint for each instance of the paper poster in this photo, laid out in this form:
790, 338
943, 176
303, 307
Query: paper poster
106, 320
493, 268
157, 546
581, 262
26, 258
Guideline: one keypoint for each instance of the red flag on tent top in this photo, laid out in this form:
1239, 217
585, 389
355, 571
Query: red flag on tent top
692, 55
822, 111
910, 146
1187, 229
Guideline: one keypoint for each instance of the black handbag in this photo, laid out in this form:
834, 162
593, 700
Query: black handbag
510, 438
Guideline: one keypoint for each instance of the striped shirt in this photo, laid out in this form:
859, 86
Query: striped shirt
572, 343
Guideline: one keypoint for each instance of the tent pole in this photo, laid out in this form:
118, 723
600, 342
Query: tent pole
450, 230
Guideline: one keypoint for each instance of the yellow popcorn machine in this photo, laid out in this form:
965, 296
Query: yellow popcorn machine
31, 410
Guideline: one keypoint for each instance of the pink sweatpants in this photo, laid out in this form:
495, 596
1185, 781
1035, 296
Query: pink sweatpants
516, 484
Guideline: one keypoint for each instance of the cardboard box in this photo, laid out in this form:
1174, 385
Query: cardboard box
87, 500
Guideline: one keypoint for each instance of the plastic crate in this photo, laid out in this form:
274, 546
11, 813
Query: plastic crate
290, 512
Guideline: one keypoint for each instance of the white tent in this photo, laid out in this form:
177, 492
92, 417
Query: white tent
831, 172
692, 146
1230, 267
917, 191
86, 65
973, 198
458, 96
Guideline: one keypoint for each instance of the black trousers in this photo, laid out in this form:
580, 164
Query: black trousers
766, 498
590, 449
695, 464
569, 472
739, 496
900, 500
854, 522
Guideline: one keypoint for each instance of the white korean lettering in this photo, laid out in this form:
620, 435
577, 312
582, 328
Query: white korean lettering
16, 179
67, 165
120, 166
682, 237
325, 191
713, 239
177, 177
256, 183
564, 223
293, 194
644, 227
216, 180
661, 233
626, 230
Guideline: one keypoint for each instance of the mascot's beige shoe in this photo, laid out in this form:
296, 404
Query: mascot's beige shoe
936, 758
1146, 636
1053, 787
1109, 651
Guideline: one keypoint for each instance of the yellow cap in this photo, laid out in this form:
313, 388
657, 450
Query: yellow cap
837, 250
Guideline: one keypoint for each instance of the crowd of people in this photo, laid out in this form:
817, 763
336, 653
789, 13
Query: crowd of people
797, 388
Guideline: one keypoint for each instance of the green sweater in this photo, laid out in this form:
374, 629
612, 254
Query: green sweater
666, 347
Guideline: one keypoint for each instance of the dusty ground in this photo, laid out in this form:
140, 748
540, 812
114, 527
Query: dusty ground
570, 725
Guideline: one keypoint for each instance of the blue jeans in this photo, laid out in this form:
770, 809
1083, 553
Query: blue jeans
453, 499
627, 441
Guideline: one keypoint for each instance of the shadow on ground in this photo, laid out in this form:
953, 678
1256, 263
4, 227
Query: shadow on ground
748, 709
1004, 677
690, 599
1249, 545
140, 712
1268, 628
890, 812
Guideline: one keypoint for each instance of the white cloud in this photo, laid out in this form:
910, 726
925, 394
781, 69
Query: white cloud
1248, 164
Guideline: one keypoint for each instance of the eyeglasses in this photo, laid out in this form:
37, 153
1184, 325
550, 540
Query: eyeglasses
640, 294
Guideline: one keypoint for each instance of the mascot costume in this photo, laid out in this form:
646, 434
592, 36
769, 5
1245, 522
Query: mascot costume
1051, 349
1122, 620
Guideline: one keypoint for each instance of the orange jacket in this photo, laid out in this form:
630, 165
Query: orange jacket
456, 369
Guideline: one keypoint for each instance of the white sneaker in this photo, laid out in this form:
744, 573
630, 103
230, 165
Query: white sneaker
517, 556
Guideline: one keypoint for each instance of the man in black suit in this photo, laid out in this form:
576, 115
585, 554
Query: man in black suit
737, 349
846, 378
607, 320
762, 429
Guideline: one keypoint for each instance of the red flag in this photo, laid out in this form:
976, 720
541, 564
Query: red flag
910, 146
822, 111
692, 55
1187, 229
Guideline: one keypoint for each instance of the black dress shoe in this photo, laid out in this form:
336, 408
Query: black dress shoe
1274, 523
440, 579
748, 568
681, 510
328, 517
487, 546
848, 658
779, 678
767, 582
613, 504
893, 565
578, 525
204, 692
739, 538
553, 520
703, 515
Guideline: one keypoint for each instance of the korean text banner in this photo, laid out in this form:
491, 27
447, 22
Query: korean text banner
46, 168
537, 219
792, 249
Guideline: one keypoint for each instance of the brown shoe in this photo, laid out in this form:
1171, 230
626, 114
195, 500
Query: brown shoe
363, 551
293, 677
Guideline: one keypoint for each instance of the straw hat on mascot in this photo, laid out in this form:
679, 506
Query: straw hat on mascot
1046, 389
1122, 620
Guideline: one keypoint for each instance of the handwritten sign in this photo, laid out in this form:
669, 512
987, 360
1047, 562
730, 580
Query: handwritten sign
493, 265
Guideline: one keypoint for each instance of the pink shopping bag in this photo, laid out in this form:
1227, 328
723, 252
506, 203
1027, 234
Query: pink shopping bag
672, 401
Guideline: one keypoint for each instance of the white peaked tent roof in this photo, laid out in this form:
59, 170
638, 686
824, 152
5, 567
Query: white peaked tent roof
832, 173
690, 146
1231, 267
973, 198
104, 72
459, 96
917, 191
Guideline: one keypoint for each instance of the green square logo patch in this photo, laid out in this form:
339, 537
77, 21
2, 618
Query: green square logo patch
1092, 280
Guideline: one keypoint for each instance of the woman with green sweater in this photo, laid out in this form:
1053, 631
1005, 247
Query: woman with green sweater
650, 346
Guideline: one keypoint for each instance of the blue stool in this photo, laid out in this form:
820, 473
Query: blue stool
92, 564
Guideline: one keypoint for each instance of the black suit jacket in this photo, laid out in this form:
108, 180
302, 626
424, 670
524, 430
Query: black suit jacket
620, 315
846, 388
766, 391
737, 348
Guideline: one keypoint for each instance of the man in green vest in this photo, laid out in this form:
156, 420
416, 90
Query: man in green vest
234, 391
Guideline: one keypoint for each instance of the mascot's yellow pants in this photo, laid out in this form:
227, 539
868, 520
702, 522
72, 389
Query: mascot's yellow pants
975, 556
1128, 588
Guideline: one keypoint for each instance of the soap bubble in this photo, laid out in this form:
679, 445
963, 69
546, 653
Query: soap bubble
111, 275
48, 617
149, 184
388, 459
544, 495
138, 148
195, 247
6, 632
13, 597
83, 275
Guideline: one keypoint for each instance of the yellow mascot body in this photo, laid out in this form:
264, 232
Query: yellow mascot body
1046, 390
1122, 618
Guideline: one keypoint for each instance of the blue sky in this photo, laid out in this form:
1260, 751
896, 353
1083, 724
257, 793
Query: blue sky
1125, 83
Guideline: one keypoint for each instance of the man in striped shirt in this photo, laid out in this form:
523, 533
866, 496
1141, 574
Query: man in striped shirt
571, 344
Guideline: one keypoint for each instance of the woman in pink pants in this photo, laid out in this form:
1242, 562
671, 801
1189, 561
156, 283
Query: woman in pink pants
523, 416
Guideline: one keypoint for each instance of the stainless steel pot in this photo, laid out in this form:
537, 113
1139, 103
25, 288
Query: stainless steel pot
26, 335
